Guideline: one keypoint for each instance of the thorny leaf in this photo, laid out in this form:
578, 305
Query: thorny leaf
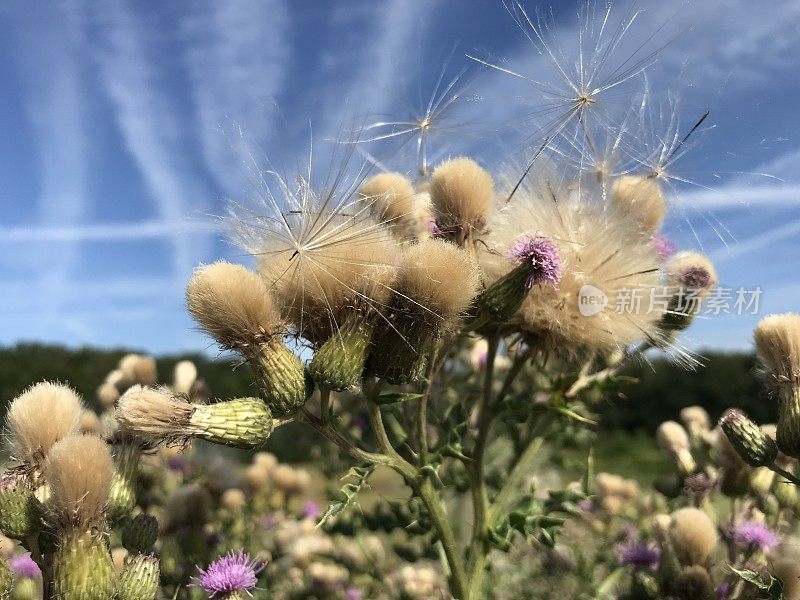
350, 492
774, 587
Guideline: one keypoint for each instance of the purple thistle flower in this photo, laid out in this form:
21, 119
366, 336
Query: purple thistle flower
724, 590
23, 566
311, 510
353, 593
586, 505
433, 227
664, 246
542, 254
754, 534
234, 572
639, 554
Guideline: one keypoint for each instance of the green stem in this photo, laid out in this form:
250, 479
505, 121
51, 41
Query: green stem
520, 470
325, 404
479, 545
334, 436
785, 474
424, 489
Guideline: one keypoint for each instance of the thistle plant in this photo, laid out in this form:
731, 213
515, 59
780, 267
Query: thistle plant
457, 328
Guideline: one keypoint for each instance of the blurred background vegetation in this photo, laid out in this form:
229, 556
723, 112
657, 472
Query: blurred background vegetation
626, 424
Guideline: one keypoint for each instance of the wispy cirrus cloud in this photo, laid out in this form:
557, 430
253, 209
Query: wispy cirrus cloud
237, 56
155, 128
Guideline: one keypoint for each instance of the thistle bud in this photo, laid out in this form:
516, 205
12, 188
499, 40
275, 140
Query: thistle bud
20, 511
754, 446
122, 496
777, 340
140, 579
235, 306
339, 362
83, 570
140, 533
693, 536
539, 264
673, 440
155, 415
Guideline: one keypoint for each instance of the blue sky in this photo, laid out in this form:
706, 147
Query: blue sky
120, 140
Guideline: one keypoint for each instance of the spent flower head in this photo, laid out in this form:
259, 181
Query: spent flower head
234, 572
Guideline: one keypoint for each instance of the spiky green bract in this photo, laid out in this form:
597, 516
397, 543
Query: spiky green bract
751, 443
788, 429
157, 415
504, 297
339, 362
122, 496
241, 423
140, 533
235, 306
20, 511
281, 377
6, 580
140, 579
435, 284
83, 570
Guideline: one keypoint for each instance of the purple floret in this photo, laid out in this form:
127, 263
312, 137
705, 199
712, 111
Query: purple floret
234, 572
542, 254
696, 278
754, 534
664, 246
311, 510
639, 554
23, 566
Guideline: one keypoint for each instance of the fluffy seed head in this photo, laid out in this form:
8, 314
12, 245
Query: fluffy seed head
693, 536
39, 417
79, 470
696, 419
107, 394
139, 369
320, 285
691, 270
232, 304
439, 278
642, 199
233, 499
153, 415
184, 376
602, 259
461, 193
777, 340
672, 437
393, 201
